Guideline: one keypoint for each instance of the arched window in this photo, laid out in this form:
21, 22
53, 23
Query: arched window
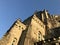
14, 41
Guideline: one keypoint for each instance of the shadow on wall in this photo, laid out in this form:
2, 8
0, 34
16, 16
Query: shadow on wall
55, 32
22, 38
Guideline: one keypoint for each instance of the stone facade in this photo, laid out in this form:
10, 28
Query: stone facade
38, 28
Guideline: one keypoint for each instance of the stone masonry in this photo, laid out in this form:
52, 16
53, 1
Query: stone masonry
36, 28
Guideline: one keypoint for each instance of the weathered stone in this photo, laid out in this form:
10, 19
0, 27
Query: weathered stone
39, 27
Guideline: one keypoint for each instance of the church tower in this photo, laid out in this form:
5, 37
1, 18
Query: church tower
13, 34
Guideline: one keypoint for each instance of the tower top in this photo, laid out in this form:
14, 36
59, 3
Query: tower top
18, 19
45, 10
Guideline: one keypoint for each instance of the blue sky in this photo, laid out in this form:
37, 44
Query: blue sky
10, 10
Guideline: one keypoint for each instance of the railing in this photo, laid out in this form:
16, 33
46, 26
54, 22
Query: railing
48, 41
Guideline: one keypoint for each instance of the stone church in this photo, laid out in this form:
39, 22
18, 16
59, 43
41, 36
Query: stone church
41, 28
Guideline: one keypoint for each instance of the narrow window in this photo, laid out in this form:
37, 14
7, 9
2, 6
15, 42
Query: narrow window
39, 36
15, 39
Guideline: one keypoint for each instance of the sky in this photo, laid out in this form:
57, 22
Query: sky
10, 10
